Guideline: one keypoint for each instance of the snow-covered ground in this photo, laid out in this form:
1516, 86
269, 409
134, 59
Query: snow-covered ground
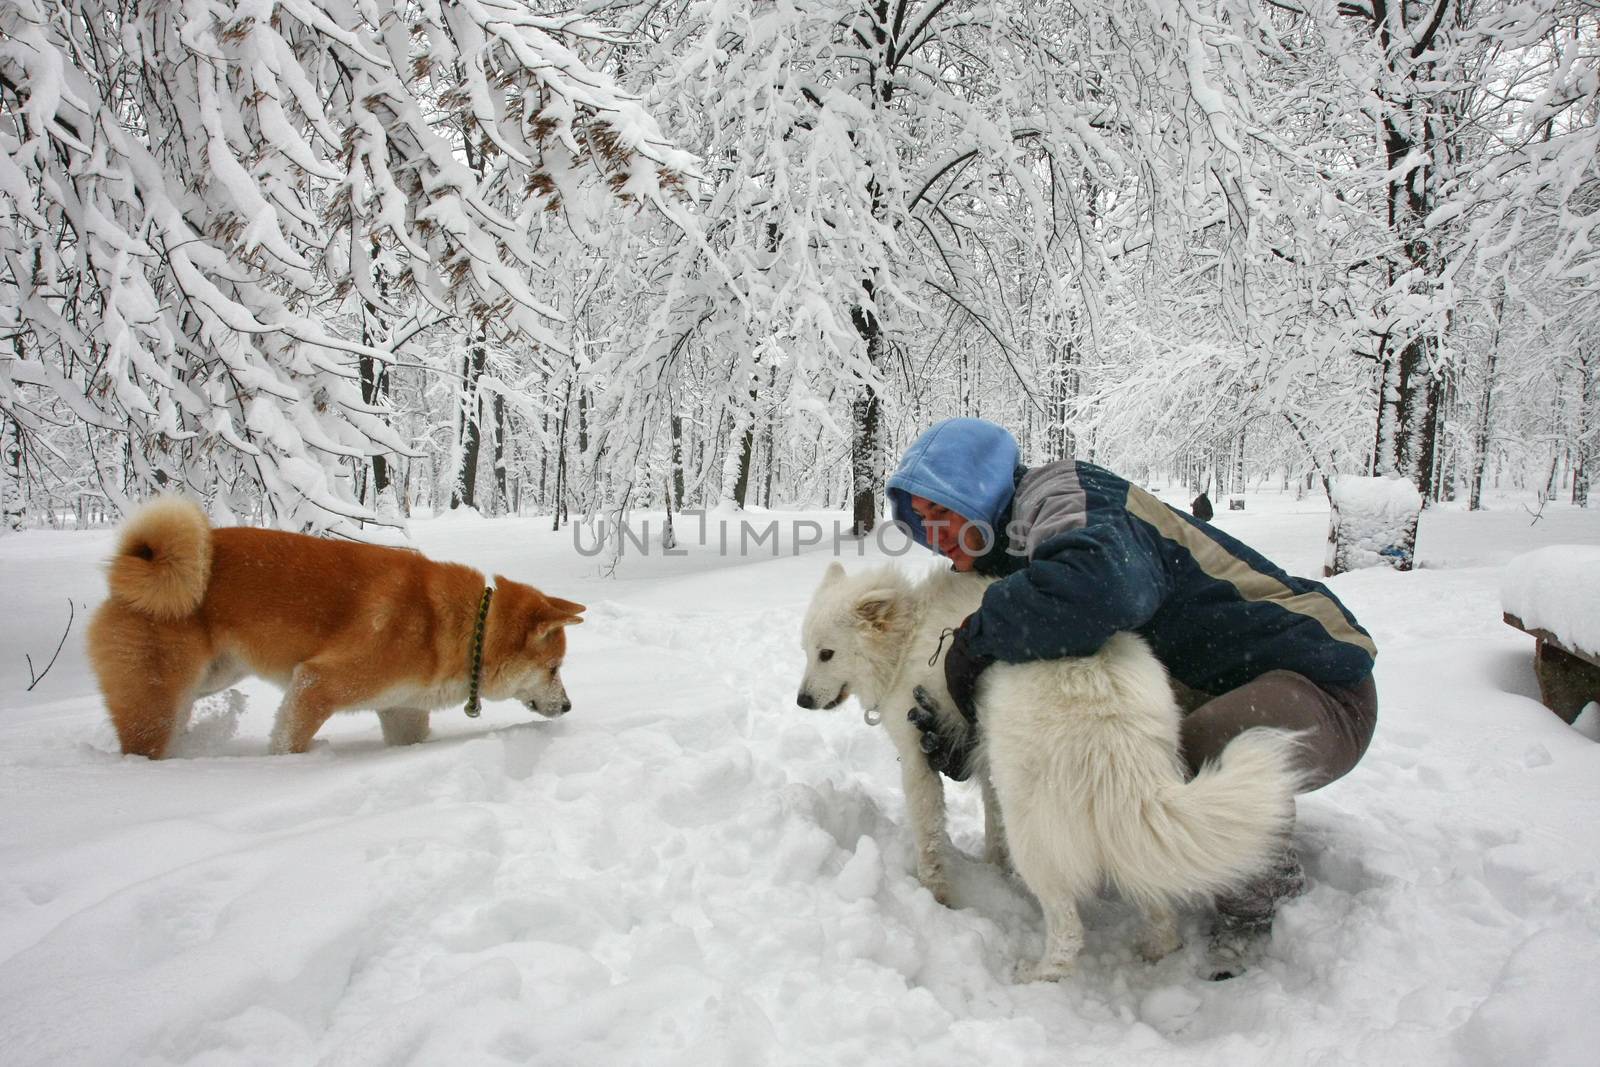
689, 869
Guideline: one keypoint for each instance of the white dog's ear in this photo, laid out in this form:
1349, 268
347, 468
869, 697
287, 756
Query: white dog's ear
834, 572
878, 607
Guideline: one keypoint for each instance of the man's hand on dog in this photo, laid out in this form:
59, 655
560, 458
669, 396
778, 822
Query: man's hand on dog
949, 756
962, 666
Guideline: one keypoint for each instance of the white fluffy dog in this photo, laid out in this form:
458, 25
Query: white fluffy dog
1078, 758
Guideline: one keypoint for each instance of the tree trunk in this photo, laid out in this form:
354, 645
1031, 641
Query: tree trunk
375, 391
1416, 436
1059, 438
500, 449
747, 443
1383, 428
13, 501
375, 377
470, 428
1416, 145
1055, 424
1480, 436
1238, 463
669, 536
767, 448
583, 421
677, 460
866, 444
747, 447
559, 498
768, 435
866, 431
964, 375
544, 457
1586, 442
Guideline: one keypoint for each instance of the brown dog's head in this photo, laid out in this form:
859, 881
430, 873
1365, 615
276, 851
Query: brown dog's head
524, 644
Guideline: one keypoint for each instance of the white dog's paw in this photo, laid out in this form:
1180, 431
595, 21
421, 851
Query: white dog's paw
997, 854
933, 879
1047, 970
930, 872
1157, 944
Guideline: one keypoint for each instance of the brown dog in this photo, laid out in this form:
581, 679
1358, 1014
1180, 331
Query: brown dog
338, 625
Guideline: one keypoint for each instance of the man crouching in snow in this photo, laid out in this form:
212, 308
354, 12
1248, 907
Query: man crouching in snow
1081, 554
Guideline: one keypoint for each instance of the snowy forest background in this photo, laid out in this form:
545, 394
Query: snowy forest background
324, 262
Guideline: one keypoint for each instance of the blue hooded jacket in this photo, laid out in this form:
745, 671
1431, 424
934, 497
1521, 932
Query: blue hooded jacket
1087, 554
967, 465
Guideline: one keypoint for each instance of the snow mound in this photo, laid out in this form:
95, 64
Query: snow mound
1389, 498
1371, 520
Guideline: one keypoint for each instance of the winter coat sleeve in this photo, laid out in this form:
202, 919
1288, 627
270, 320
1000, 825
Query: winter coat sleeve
1079, 588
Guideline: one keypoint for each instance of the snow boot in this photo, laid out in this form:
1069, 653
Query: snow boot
1244, 918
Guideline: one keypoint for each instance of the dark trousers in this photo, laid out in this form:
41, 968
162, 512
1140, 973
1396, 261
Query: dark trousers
1335, 722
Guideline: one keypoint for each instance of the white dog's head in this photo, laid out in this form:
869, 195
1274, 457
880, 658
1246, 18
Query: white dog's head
850, 636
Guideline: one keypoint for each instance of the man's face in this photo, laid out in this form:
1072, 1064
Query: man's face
950, 534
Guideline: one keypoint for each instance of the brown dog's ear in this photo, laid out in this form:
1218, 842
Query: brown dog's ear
543, 626
570, 607
549, 614
878, 607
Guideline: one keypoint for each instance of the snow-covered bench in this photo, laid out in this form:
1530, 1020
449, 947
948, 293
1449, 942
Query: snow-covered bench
1554, 594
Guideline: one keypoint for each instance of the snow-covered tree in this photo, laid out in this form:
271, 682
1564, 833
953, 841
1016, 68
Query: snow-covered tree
909, 193
194, 193
380, 245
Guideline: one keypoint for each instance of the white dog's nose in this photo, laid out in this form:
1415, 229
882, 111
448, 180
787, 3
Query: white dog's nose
805, 701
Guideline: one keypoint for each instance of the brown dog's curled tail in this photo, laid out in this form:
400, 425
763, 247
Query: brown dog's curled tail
163, 559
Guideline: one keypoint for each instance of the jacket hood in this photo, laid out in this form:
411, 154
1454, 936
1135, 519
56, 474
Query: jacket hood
967, 465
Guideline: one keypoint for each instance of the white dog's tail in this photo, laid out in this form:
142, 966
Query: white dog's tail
163, 559
1210, 834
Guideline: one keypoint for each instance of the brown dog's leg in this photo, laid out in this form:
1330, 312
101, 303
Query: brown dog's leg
146, 722
403, 726
307, 704
148, 672
317, 689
